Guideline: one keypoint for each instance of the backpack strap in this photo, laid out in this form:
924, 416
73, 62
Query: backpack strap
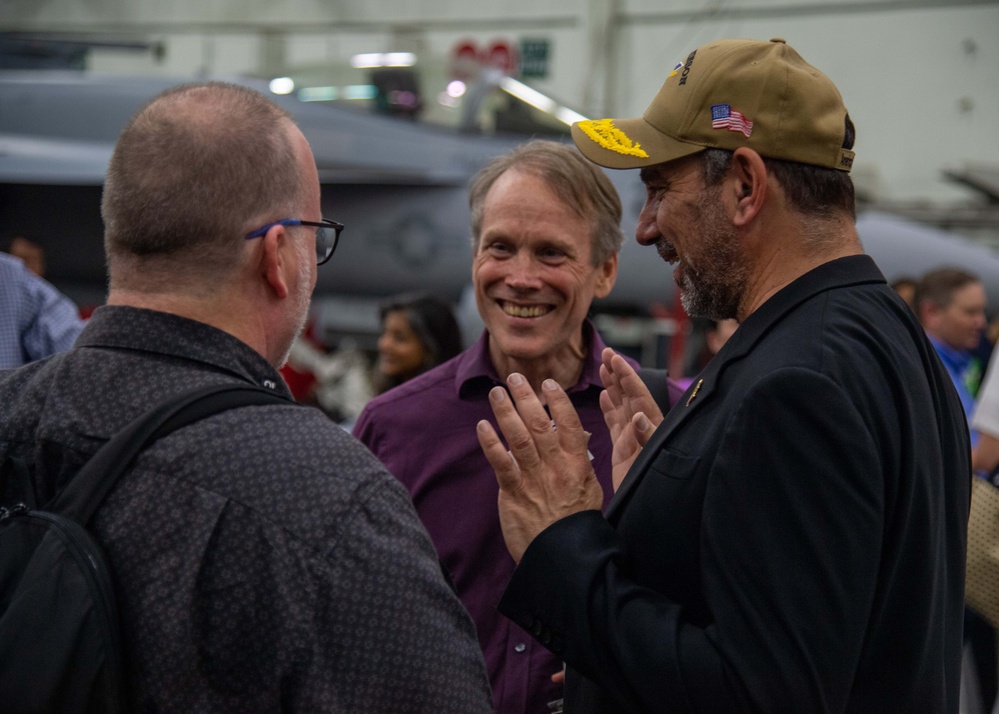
89, 487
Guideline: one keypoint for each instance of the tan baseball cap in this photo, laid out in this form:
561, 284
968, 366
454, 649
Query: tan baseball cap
727, 94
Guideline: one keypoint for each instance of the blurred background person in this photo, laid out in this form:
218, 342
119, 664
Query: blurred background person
985, 420
419, 332
718, 334
706, 338
905, 286
31, 252
337, 381
950, 303
36, 320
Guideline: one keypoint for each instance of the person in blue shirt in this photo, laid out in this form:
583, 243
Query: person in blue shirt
36, 320
950, 303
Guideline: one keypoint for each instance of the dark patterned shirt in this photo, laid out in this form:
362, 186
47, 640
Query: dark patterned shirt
263, 559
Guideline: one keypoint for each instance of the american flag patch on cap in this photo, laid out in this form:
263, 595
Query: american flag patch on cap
723, 116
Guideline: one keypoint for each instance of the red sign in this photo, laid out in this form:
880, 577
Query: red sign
467, 58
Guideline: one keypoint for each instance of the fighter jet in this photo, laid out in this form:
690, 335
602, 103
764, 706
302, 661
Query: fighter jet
398, 184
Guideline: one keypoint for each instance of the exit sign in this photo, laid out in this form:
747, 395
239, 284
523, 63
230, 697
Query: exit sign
534, 58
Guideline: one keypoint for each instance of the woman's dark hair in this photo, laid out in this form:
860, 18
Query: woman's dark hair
432, 321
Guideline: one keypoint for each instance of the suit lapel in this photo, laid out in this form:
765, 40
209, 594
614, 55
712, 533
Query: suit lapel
851, 270
698, 393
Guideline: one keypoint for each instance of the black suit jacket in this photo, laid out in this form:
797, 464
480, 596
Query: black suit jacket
791, 539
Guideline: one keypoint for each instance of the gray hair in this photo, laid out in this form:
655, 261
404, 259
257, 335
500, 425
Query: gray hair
579, 184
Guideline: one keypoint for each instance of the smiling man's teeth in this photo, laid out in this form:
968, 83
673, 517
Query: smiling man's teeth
519, 311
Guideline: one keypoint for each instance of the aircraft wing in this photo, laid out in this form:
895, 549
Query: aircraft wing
49, 161
904, 248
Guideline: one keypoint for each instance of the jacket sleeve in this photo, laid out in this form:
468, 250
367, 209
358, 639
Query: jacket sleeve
790, 540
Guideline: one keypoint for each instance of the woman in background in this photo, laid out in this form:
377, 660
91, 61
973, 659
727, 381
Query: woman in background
418, 332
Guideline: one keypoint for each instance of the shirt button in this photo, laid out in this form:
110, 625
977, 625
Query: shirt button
519, 647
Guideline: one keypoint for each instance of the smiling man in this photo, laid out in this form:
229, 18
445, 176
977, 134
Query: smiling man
792, 536
546, 233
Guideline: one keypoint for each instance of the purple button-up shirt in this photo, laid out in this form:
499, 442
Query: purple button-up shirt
424, 433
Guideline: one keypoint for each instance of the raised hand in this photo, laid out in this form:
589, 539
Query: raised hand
630, 412
546, 475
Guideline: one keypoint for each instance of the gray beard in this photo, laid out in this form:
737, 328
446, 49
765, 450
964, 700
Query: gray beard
714, 290
705, 298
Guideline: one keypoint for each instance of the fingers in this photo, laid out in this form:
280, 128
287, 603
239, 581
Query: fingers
606, 356
620, 368
631, 439
612, 387
546, 475
621, 381
634, 393
507, 471
523, 421
527, 427
612, 416
626, 392
608, 376
570, 432
538, 437
615, 366
642, 429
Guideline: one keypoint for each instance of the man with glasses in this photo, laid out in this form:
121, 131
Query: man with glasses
264, 560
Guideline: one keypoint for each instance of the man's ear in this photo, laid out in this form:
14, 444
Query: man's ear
274, 260
747, 185
606, 277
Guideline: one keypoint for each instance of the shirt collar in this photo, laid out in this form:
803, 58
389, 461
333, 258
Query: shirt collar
838, 273
476, 375
165, 334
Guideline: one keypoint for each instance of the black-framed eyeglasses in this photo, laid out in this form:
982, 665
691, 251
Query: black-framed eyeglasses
327, 235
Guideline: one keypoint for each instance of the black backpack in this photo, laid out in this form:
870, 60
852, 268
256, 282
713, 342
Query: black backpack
60, 645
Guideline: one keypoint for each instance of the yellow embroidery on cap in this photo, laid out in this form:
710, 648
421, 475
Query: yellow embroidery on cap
604, 133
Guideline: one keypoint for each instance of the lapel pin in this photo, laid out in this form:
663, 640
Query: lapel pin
697, 388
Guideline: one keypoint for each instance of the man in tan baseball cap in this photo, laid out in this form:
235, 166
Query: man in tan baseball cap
791, 535
728, 94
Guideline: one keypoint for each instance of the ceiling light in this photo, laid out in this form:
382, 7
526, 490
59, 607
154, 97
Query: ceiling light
360, 91
527, 95
368, 60
318, 94
567, 116
282, 85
